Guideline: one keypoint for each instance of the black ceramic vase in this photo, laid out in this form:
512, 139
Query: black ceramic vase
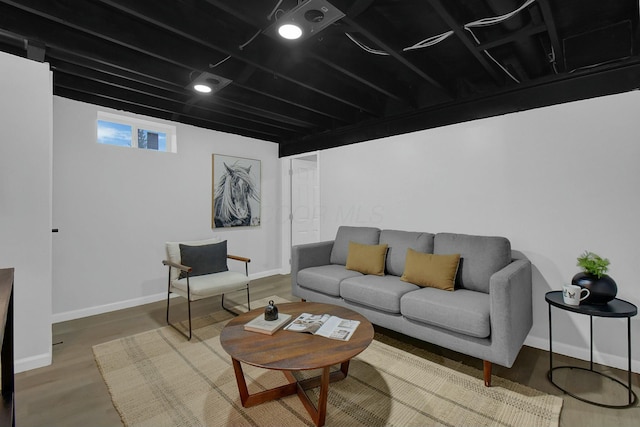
602, 290
271, 311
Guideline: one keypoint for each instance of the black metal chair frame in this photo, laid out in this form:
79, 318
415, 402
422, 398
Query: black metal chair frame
187, 270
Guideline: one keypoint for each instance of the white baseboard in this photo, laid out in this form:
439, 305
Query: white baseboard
265, 274
33, 362
583, 354
100, 309
106, 308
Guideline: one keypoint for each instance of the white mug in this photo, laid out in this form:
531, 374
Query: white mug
572, 294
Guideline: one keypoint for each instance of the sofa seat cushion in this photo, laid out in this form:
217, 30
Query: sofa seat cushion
325, 279
462, 311
381, 293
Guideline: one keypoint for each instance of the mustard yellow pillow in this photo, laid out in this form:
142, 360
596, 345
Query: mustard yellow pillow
366, 259
431, 270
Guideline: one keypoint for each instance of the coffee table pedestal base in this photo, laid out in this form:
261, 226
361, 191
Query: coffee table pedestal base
318, 415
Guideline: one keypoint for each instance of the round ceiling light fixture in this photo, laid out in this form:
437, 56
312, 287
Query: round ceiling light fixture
290, 31
202, 88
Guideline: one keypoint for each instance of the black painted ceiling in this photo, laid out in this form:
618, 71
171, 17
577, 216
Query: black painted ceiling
352, 81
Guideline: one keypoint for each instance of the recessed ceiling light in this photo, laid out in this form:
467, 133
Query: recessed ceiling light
206, 83
202, 88
290, 31
305, 20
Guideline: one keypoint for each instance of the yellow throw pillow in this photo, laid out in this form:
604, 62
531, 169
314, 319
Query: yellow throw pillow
431, 270
366, 259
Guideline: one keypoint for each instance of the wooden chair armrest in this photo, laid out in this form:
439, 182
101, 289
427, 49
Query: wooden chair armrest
239, 258
176, 265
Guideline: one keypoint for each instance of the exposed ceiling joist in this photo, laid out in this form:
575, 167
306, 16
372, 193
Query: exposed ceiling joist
328, 89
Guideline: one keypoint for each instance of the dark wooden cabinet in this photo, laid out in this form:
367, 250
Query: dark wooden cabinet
7, 409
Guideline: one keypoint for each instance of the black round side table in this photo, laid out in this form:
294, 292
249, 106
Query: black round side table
616, 308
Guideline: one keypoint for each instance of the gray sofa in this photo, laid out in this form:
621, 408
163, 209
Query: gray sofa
487, 316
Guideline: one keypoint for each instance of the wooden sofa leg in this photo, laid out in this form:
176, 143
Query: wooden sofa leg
487, 373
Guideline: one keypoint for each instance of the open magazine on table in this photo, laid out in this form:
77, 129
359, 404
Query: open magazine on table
324, 325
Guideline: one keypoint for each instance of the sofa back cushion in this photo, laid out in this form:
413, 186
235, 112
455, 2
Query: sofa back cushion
346, 234
480, 257
398, 242
431, 270
366, 259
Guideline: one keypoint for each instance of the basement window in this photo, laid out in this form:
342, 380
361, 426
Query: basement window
124, 131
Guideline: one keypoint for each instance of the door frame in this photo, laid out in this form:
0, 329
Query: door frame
287, 205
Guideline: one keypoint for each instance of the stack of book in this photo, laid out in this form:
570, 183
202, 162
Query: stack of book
268, 327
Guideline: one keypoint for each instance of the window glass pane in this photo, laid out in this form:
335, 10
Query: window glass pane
114, 133
152, 140
132, 132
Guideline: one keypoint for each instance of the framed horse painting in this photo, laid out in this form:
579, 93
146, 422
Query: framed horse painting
235, 191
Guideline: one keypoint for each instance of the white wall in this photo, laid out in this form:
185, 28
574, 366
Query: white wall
25, 203
116, 207
556, 181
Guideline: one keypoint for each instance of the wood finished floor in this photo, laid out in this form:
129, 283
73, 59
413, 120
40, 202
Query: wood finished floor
71, 392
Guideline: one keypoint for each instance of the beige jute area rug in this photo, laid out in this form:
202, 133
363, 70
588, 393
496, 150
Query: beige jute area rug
158, 378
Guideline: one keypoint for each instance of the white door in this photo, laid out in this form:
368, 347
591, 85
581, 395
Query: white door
305, 200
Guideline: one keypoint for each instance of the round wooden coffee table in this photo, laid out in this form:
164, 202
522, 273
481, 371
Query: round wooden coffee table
294, 351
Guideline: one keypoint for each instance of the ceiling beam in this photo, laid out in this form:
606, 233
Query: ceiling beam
93, 89
524, 33
466, 41
218, 109
544, 92
358, 75
325, 56
84, 67
558, 52
63, 39
393, 52
155, 44
118, 104
149, 12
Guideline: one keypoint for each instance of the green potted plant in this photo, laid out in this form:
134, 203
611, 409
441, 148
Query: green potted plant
594, 277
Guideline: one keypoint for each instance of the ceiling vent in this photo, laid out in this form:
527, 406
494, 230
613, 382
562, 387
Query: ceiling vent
304, 20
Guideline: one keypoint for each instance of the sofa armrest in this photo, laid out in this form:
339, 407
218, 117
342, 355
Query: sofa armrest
309, 255
511, 309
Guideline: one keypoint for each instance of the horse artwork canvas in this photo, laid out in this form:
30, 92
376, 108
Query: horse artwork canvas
236, 191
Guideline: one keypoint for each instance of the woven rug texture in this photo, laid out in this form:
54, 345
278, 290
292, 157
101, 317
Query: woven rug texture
158, 378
